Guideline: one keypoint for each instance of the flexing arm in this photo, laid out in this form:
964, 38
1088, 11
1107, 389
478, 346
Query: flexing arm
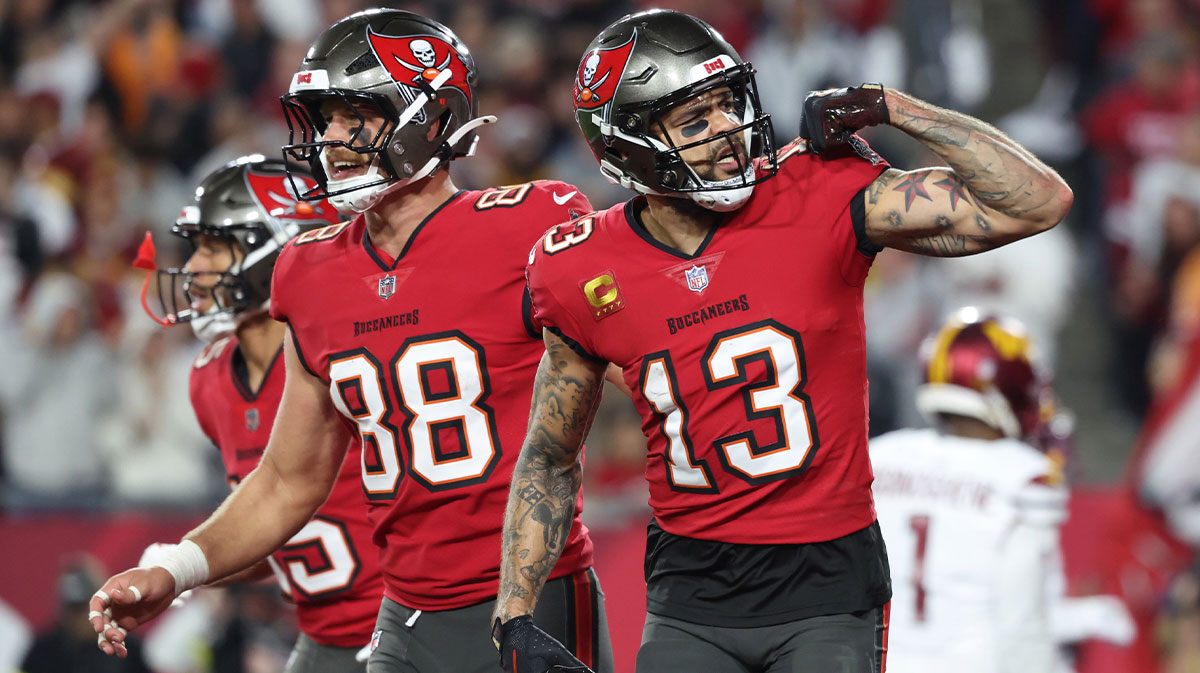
295, 475
546, 480
994, 191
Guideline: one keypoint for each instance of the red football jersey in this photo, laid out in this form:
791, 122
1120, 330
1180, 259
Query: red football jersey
431, 357
330, 569
747, 359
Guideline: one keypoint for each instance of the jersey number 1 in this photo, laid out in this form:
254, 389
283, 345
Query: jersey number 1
778, 399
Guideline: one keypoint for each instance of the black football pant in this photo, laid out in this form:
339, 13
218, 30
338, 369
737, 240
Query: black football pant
570, 608
846, 643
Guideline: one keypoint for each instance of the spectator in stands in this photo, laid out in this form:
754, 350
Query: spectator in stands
56, 387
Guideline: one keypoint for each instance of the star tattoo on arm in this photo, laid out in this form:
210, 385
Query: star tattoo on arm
957, 191
913, 185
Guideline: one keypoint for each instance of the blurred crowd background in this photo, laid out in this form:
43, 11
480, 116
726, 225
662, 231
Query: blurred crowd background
112, 111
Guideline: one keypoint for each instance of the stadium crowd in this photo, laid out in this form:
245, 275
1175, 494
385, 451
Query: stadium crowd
112, 110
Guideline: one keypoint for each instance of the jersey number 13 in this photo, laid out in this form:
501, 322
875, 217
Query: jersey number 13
778, 399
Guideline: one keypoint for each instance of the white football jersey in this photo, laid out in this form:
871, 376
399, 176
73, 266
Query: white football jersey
971, 528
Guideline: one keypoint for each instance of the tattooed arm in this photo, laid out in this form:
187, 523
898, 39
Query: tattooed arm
994, 192
546, 480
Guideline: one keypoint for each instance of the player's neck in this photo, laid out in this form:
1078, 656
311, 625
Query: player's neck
391, 223
259, 340
678, 222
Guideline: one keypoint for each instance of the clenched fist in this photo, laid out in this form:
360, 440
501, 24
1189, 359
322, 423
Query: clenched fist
832, 116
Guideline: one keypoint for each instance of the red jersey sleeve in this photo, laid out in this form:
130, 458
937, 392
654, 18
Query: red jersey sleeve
287, 286
839, 177
555, 202
548, 309
282, 282
204, 369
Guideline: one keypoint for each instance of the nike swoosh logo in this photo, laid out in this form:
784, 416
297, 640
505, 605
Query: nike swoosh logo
562, 200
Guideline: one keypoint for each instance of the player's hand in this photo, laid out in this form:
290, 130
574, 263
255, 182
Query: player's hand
830, 117
155, 553
127, 601
524, 648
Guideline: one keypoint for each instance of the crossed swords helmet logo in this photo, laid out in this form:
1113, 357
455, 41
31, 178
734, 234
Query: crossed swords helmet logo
423, 51
274, 194
589, 73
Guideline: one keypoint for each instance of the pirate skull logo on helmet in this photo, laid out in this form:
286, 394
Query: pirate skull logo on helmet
589, 68
424, 53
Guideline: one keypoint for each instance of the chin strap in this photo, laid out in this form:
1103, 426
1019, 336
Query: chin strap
145, 260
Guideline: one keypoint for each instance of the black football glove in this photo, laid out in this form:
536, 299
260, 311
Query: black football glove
524, 648
831, 117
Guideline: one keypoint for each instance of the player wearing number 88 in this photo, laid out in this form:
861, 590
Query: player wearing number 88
729, 292
410, 336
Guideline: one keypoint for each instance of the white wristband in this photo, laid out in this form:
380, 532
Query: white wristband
187, 564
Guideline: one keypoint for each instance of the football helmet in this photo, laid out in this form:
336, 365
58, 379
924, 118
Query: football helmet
983, 367
250, 204
410, 69
639, 68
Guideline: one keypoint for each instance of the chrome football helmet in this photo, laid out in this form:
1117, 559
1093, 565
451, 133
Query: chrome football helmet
250, 205
638, 69
412, 71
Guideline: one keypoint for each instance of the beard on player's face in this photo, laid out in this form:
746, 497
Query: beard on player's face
724, 158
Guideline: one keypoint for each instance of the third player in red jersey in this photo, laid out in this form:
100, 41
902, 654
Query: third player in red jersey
330, 569
241, 216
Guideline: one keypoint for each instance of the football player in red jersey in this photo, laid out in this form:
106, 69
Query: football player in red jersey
410, 326
730, 294
239, 219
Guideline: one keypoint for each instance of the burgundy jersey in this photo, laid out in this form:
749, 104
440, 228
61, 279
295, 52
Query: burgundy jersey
431, 358
330, 569
747, 359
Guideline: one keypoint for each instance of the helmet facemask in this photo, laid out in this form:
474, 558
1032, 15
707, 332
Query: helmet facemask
305, 114
748, 139
408, 70
244, 213
644, 125
179, 289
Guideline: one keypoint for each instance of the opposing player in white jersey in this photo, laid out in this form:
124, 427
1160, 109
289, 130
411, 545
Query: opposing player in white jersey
971, 513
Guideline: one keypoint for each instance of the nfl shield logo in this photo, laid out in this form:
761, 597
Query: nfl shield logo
375, 640
252, 419
387, 286
697, 278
